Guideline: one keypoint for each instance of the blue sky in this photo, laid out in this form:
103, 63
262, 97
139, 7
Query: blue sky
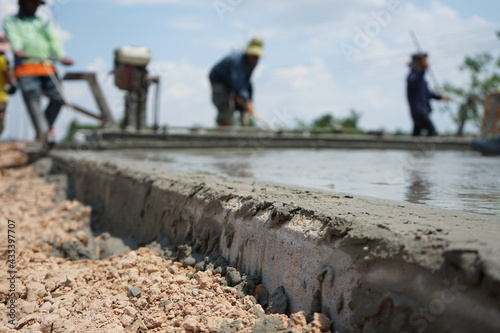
305, 72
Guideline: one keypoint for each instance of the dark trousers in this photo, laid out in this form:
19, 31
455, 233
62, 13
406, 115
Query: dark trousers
423, 122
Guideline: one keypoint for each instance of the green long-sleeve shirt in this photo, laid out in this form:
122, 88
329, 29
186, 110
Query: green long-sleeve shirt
34, 36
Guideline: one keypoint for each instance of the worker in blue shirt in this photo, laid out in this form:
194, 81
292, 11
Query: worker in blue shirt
419, 96
231, 86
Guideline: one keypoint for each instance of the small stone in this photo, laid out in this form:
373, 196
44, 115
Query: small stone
133, 292
142, 304
130, 311
28, 307
48, 322
322, 322
126, 320
132, 273
63, 313
45, 307
190, 324
36, 291
189, 261
233, 276
164, 304
299, 318
82, 237
194, 292
259, 289
278, 302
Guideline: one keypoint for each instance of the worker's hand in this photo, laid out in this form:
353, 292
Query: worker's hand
66, 61
445, 98
249, 107
12, 89
20, 54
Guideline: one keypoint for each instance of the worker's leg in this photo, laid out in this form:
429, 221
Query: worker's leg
31, 89
244, 119
429, 126
240, 106
224, 104
431, 130
3, 107
423, 122
51, 90
417, 129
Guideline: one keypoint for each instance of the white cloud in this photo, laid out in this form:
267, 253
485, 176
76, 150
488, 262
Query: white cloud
185, 23
195, 3
7, 7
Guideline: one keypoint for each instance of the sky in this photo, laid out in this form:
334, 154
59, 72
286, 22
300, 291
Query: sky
321, 56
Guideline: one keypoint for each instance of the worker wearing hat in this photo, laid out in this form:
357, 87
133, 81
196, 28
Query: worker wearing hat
419, 95
231, 86
6, 78
35, 45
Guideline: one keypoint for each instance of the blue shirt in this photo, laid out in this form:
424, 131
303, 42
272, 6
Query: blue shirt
418, 93
234, 73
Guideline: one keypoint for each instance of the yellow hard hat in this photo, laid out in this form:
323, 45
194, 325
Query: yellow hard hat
255, 47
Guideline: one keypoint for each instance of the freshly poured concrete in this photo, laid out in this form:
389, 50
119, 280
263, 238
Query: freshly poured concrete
455, 180
371, 265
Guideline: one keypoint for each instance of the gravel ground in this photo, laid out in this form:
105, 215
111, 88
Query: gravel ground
135, 292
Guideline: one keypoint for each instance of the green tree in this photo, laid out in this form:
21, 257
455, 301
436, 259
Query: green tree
325, 121
351, 121
300, 125
483, 78
74, 126
328, 121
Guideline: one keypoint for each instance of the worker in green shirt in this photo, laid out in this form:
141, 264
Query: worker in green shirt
35, 45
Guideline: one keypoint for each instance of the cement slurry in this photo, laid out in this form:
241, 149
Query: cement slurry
371, 265
455, 180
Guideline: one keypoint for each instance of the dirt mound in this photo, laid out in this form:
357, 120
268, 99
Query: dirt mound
134, 292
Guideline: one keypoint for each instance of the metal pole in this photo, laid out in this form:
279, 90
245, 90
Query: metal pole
157, 104
435, 83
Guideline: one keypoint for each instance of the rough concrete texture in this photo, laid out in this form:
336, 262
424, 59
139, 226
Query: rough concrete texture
370, 265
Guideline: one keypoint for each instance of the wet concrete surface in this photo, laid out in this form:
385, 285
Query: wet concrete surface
454, 180
371, 265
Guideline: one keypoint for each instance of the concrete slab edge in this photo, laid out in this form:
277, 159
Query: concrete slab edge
371, 265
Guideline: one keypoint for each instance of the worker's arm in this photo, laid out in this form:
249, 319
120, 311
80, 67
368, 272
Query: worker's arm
239, 86
239, 81
11, 81
13, 35
9, 77
435, 95
56, 45
249, 107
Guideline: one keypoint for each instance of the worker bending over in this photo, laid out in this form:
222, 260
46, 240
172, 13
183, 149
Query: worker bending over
231, 86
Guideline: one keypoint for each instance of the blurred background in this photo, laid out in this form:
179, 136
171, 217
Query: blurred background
323, 58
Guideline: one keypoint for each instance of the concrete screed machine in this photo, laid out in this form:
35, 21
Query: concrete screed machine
131, 75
